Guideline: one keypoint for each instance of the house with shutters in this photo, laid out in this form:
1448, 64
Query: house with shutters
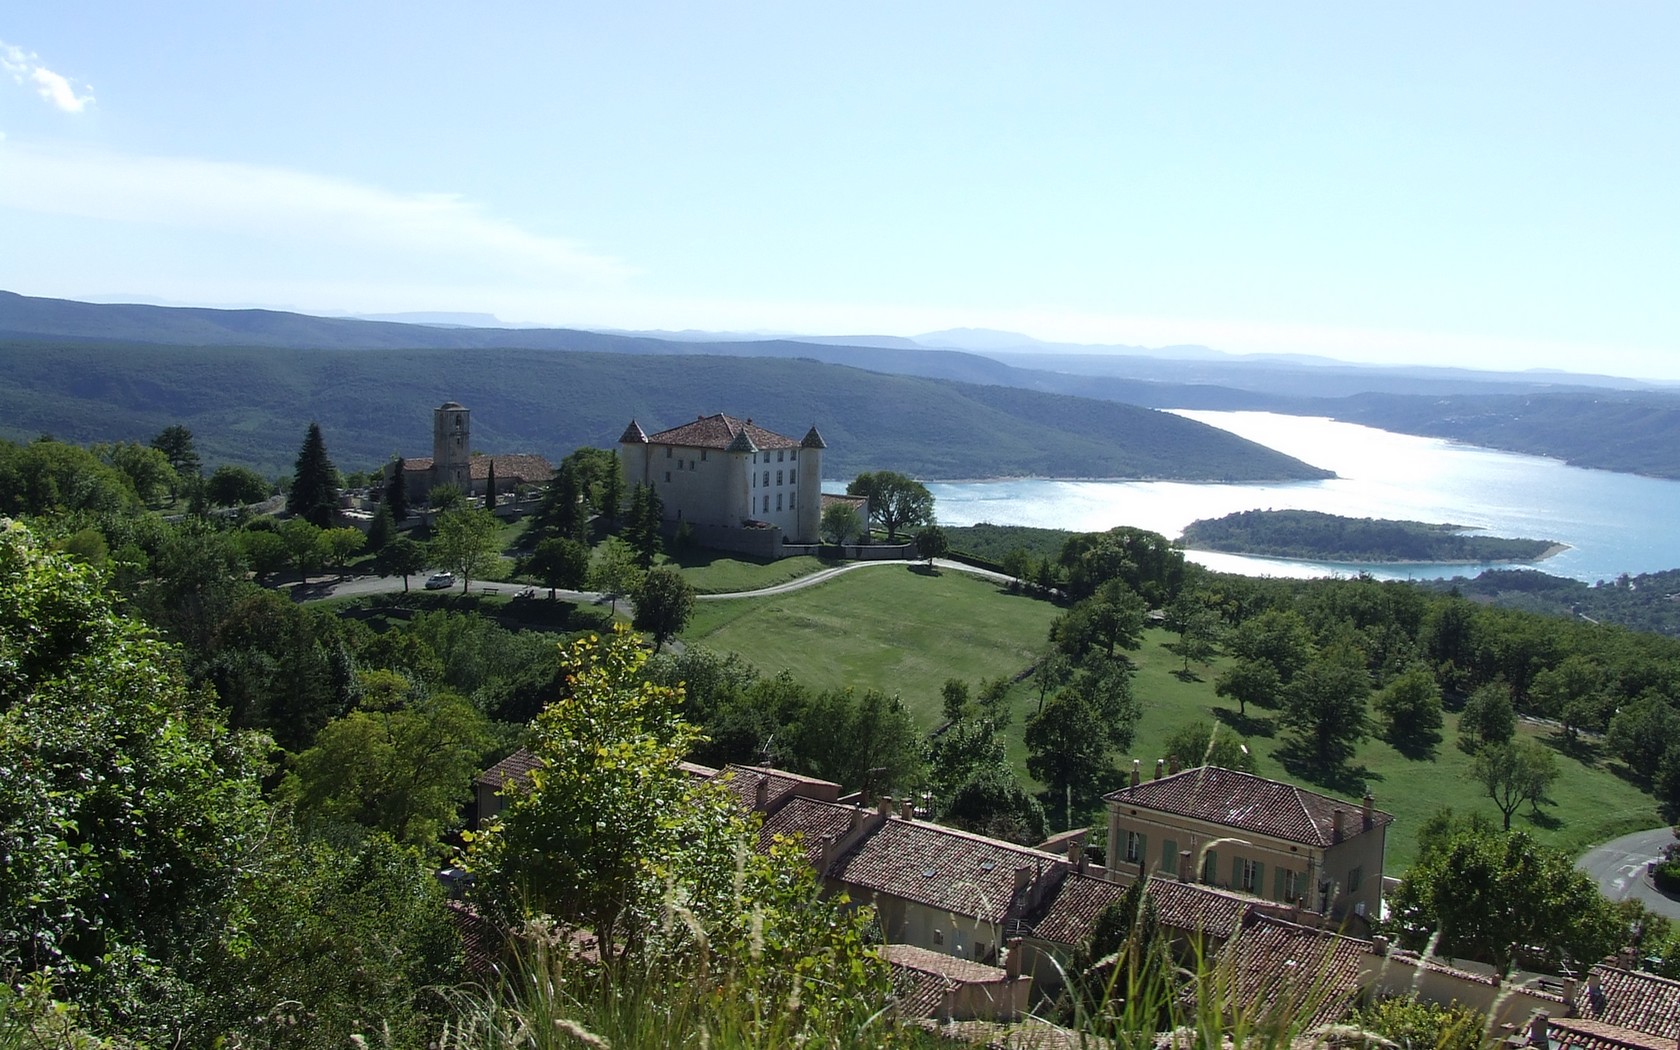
1238, 831
737, 485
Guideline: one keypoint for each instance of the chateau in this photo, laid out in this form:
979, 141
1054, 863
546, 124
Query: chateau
452, 461
737, 485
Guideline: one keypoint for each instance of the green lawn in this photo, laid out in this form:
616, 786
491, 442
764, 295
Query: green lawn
904, 632
889, 627
714, 573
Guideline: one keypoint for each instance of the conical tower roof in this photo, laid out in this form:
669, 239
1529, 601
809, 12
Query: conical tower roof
743, 442
633, 435
813, 439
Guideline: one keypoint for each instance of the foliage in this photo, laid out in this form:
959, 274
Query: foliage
383, 528
1069, 743
1250, 682
1197, 625
402, 763
1506, 900
280, 667
396, 490
1110, 618
664, 602
1278, 637
236, 486
340, 544
1203, 744
303, 545
1488, 717
148, 471
1410, 706
616, 571
643, 524
126, 810
1513, 773
1411, 1022
467, 541
47, 476
896, 500
931, 543
313, 495
840, 521
400, 557
1314, 534
1642, 732
560, 563
1324, 706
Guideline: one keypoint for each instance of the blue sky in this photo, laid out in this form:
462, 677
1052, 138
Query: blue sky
1475, 184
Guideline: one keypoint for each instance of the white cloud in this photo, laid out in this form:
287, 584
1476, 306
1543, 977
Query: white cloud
25, 68
287, 225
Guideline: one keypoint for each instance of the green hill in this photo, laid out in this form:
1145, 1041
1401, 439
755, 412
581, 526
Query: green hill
250, 405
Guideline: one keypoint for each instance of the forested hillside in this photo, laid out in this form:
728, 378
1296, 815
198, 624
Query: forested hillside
243, 405
1314, 534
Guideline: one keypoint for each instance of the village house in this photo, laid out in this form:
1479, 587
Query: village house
1262, 837
737, 486
452, 462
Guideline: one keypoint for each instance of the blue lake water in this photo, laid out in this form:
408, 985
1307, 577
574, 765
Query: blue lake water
1613, 523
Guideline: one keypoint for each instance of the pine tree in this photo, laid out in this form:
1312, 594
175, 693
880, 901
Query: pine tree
396, 492
383, 529
314, 492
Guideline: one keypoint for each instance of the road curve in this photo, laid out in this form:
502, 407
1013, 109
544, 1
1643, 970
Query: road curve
1618, 866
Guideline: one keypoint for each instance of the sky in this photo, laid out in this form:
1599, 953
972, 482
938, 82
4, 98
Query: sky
1477, 184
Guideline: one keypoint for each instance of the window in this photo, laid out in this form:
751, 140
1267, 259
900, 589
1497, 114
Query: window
766, 504
793, 476
767, 479
778, 457
702, 453
778, 501
1292, 885
793, 500
1169, 855
667, 451
667, 475
939, 936
1134, 846
778, 477
1210, 866
1355, 877
1249, 875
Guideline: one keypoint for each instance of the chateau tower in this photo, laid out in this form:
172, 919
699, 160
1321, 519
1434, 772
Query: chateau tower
810, 487
451, 446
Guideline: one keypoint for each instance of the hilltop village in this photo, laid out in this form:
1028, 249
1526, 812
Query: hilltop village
287, 763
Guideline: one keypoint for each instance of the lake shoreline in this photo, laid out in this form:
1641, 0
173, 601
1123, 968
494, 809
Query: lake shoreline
1550, 552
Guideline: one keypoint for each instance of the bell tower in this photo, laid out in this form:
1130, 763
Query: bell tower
452, 446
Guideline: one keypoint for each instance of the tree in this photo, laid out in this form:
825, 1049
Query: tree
467, 541
402, 763
1410, 705
932, 543
1506, 900
1513, 773
383, 528
1642, 732
127, 811
46, 476
444, 498
616, 573
840, 521
303, 545
339, 545
1488, 717
664, 602
563, 511
314, 492
1250, 682
1067, 749
1198, 628
895, 500
396, 491
401, 557
146, 469
641, 531
234, 486
490, 487
176, 444
1325, 707
1203, 744
1111, 618
559, 563
1278, 637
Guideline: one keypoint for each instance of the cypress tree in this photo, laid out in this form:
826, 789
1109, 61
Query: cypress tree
490, 487
383, 529
396, 492
314, 493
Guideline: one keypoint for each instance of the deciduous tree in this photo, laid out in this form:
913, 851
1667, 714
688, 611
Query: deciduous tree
895, 500
466, 540
840, 522
560, 563
932, 543
664, 602
235, 486
1206, 744
1410, 706
401, 557
1514, 772
1325, 707
1488, 717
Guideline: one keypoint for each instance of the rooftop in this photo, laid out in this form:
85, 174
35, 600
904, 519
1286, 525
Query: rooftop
1249, 803
1279, 966
718, 431
1643, 1002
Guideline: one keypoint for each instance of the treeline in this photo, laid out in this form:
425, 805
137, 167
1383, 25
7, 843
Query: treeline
1316, 535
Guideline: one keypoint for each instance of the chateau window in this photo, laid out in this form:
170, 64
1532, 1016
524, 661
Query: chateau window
1355, 877
667, 475
1292, 886
778, 477
1210, 866
778, 457
793, 475
667, 451
1134, 846
767, 504
767, 479
793, 500
778, 501
1249, 881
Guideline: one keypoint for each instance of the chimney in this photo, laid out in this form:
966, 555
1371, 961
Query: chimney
1569, 995
907, 808
1172, 765
1184, 869
1370, 811
1023, 879
825, 857
1136, 775
1160, 764
1539, 1029
884, 804
1076, 852
1012, 961
761, 793
1379, 944
1336, 826
857, 818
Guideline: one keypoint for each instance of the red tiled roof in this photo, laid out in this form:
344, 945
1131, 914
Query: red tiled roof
1579, 1033
941, 867
417, 465
1030, 1034
1278, 966
1248, 803
1195, 908
810, 819
718, 432
831, 498
516, 766
781, 785
515, 467
1641, 1001
926, 960
1071, 912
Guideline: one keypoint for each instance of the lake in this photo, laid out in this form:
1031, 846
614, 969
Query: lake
1613, 523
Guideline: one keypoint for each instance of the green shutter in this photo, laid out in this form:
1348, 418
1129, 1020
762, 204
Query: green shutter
1277, 884
1210, 866
1169, 856
1143, 848
1236, 873
1259, 889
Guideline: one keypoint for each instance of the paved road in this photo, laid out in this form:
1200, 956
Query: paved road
1618, 867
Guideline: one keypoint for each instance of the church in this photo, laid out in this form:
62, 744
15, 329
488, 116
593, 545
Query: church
737, 485
453, 463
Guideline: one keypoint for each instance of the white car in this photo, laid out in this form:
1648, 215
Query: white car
440, 581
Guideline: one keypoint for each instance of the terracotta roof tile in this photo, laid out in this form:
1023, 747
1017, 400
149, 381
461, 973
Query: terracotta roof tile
810, 819
926, 960
1195, 908
1641, 1001
1071, 912
720, 431
1306, 973
1030, 1034
516, 766
417, 465
1579, 1033
941, 867
780, 786
511, 468
1249, 803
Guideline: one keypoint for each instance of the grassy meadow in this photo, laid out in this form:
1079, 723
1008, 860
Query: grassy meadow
899, 629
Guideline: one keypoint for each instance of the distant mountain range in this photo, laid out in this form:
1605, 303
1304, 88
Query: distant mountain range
1059, 391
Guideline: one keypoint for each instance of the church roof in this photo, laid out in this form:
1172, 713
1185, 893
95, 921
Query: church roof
1249, 803
721, 432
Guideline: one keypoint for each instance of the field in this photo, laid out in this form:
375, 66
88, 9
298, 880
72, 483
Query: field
900, 630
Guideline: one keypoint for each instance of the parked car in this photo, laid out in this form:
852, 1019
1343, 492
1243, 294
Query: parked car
440, 581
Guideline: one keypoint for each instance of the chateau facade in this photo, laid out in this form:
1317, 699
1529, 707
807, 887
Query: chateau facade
736, 484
